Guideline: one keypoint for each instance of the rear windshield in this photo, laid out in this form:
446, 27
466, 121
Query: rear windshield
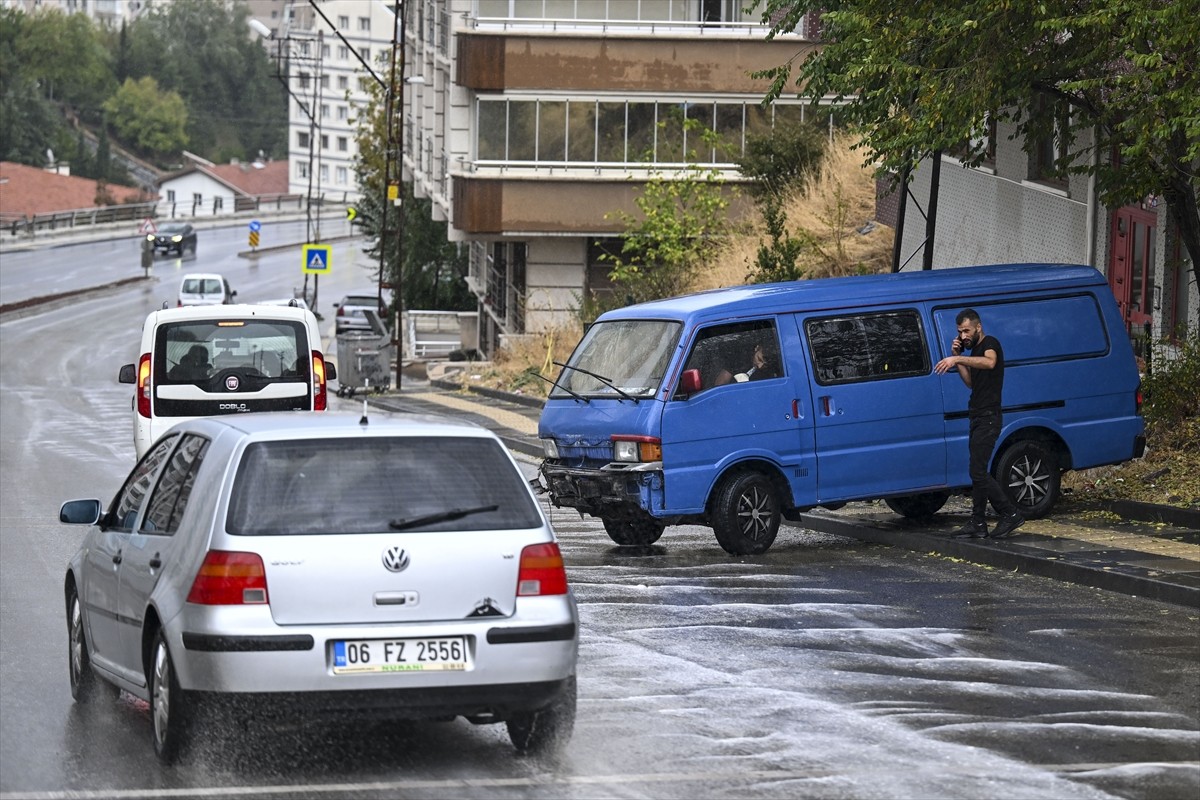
377, 485
255, 349
201, 286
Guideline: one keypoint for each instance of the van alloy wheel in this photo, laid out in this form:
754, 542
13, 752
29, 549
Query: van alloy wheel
746, 513
1028, 471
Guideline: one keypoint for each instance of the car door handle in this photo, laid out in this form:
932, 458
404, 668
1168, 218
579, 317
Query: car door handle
117, 557
155, 562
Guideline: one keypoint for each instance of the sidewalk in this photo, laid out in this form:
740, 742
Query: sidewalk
1128, 555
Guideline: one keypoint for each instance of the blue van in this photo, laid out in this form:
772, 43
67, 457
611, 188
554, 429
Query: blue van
738, 407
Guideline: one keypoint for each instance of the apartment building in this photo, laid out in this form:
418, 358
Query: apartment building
528, 123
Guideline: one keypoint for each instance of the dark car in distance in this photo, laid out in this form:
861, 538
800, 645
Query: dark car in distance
173, 237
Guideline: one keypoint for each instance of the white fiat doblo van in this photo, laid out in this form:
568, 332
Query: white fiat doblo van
205, 360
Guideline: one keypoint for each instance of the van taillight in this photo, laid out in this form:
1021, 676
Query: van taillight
229, 578
320, 398
143, 386
541, 571
1138, 398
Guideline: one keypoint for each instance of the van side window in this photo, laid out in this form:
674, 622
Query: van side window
129, 499
867, 347
725, 353
174, 489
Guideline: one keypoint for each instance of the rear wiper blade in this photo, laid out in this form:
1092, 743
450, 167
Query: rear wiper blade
439, 516
600, 378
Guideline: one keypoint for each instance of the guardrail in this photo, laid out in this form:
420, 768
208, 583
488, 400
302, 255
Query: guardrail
433, 334
22, 225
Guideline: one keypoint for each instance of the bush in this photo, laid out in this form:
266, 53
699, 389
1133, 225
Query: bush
1172, 390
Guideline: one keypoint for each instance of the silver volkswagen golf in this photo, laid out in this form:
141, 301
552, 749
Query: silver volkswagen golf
326, 564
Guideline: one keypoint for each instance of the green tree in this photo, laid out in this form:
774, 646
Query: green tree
66, 55
147, 117
29, 123
924, 76
670, 241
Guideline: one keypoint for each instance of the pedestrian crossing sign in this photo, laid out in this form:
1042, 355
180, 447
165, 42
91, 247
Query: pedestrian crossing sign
318, 259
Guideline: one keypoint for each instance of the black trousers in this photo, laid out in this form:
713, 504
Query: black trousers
985, 429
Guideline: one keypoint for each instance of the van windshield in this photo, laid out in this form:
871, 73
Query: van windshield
631, 354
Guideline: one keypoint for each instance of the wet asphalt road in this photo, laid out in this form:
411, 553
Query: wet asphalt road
826, 669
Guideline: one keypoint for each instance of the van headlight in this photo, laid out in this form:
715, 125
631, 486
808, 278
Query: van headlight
636, 449
550, 448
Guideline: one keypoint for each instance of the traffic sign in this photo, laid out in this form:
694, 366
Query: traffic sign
351, 213
254, 238
148, 226
255, 225
393, 191
318, 259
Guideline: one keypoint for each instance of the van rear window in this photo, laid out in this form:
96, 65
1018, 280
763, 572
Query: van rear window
867, 347
378, 485
198, 350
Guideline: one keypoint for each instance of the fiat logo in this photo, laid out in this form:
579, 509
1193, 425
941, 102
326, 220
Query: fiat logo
232, 382
395, 559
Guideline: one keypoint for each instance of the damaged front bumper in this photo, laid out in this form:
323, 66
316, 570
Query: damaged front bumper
611, 491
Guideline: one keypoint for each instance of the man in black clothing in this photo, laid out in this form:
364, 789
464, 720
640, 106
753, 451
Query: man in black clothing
983, 372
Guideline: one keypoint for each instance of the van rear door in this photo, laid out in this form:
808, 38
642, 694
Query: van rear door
880, 428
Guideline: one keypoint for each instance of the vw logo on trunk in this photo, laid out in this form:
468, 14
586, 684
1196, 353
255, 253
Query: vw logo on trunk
232, 383
395, 559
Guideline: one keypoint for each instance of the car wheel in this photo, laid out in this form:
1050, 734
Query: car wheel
168, 705
746, 514
83, 679
547, 730
636, 532
918, 506
1028, 471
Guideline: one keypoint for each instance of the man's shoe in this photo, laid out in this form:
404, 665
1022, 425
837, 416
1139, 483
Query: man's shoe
1007, 527
972, 530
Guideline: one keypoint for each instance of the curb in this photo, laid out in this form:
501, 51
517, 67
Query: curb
495, 394
1149, 512
1002, 556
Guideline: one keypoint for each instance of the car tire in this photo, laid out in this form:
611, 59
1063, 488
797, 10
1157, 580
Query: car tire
918, 506
634, 532
746, 514
169, 713
1028, 472
84, 682
547, 730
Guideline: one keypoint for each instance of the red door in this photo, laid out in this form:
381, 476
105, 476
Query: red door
1131, 268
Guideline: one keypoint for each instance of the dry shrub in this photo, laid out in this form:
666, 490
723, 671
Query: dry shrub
832, 208
517, 365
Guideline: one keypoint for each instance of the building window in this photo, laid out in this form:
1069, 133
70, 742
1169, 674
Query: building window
324, 111
325, 51
324, 173
343, 112
197, 198
324, 141
364, 24
343, 21
342, 144
343, 52
343, 82
342, 176
1050, 148
170, 195
218, 203
302, 78
301, 169
983, 142
301, 139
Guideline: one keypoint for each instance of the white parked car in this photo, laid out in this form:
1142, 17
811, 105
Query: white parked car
208, 360
324, 564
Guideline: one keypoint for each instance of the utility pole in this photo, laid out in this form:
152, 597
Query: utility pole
389, 150
398, 289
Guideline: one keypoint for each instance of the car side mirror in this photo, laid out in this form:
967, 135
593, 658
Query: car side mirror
689, 382
80, 512
330, 371
127, 374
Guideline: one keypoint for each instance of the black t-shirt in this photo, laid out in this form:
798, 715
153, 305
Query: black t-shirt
986, 384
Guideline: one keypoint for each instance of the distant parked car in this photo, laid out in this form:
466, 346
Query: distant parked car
204, 289
350, 312
317, 564
294, 302
174, 237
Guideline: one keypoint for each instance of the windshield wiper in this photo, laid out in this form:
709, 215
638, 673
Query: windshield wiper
600, 378
439, 516
554, 383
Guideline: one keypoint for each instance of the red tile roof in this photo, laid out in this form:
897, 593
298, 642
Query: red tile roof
26, 190
246, 179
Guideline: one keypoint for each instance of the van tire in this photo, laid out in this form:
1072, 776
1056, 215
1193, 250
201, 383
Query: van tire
634, 532
1028, 472
745, 515
918, 506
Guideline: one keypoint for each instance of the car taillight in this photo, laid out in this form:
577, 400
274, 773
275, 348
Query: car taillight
320, 398
143, 386
542, 571
229, 578
341, 311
